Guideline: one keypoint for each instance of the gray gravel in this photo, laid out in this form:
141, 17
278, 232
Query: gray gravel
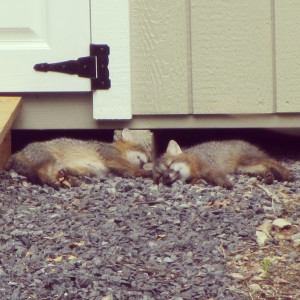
117, 238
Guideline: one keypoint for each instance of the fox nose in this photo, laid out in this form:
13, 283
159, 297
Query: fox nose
170, 177
167, 180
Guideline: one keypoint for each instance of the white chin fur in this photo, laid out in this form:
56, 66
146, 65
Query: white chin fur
183, 169
136, 157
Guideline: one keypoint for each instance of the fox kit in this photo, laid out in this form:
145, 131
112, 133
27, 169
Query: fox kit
212, 161
63, 161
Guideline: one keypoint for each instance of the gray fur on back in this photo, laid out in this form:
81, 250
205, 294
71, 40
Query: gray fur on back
223, 153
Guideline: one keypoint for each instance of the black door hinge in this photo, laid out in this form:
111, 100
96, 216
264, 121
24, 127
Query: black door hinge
94, 67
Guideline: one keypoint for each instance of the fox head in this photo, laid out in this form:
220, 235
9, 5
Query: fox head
131, 150
173, 165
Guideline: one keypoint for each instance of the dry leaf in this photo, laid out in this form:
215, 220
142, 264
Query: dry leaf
57, 259
258, 278
296, 243
29, 253
56, 235
109, 297
281, 223
265, 227
71, 257
255, 287
160, 237
280, 280
237, 208
237, 276
220, 204
261, 238
78, 244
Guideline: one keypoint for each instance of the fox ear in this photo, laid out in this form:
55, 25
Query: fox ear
173, 148
126, 135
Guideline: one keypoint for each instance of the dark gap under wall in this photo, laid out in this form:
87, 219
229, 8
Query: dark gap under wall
273, 142
20, 138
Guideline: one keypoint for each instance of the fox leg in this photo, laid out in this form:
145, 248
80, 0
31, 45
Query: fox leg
46, 174
269, 169
72, 173
258, 169
123, 168
49, 173
214, 177
280, 172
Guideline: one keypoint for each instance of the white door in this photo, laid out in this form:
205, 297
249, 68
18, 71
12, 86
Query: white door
39, 31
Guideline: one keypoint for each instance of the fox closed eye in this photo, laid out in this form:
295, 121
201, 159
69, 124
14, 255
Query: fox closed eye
137, 158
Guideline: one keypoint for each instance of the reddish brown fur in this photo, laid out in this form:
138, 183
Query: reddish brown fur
212, 161
64, 161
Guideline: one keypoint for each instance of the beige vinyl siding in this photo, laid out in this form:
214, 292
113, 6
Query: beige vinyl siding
232, 56
159, 54
287, 42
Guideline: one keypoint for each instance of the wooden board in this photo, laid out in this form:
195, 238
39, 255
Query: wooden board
9, 108
5, 150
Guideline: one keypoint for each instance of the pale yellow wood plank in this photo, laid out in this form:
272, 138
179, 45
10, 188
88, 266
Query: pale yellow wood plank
159, 55
232, 56
9, 108
5, 149
287, 41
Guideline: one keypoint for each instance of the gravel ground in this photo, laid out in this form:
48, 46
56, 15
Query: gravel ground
117, 238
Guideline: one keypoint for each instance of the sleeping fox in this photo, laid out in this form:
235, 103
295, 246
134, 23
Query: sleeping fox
212, 161
62, 161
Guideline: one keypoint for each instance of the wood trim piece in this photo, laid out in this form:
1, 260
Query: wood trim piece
5, 150
49, 112
110, 25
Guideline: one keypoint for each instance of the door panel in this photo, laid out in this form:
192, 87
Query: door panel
28, 29
37, 31
232, 56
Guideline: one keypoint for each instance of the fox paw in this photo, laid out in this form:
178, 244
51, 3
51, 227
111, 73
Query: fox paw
288, 176
224, 183
268, 177
54, 183
66, 179
227, 185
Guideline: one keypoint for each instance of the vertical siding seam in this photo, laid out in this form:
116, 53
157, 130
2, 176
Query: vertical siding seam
91, 37
274, 71
189, 56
